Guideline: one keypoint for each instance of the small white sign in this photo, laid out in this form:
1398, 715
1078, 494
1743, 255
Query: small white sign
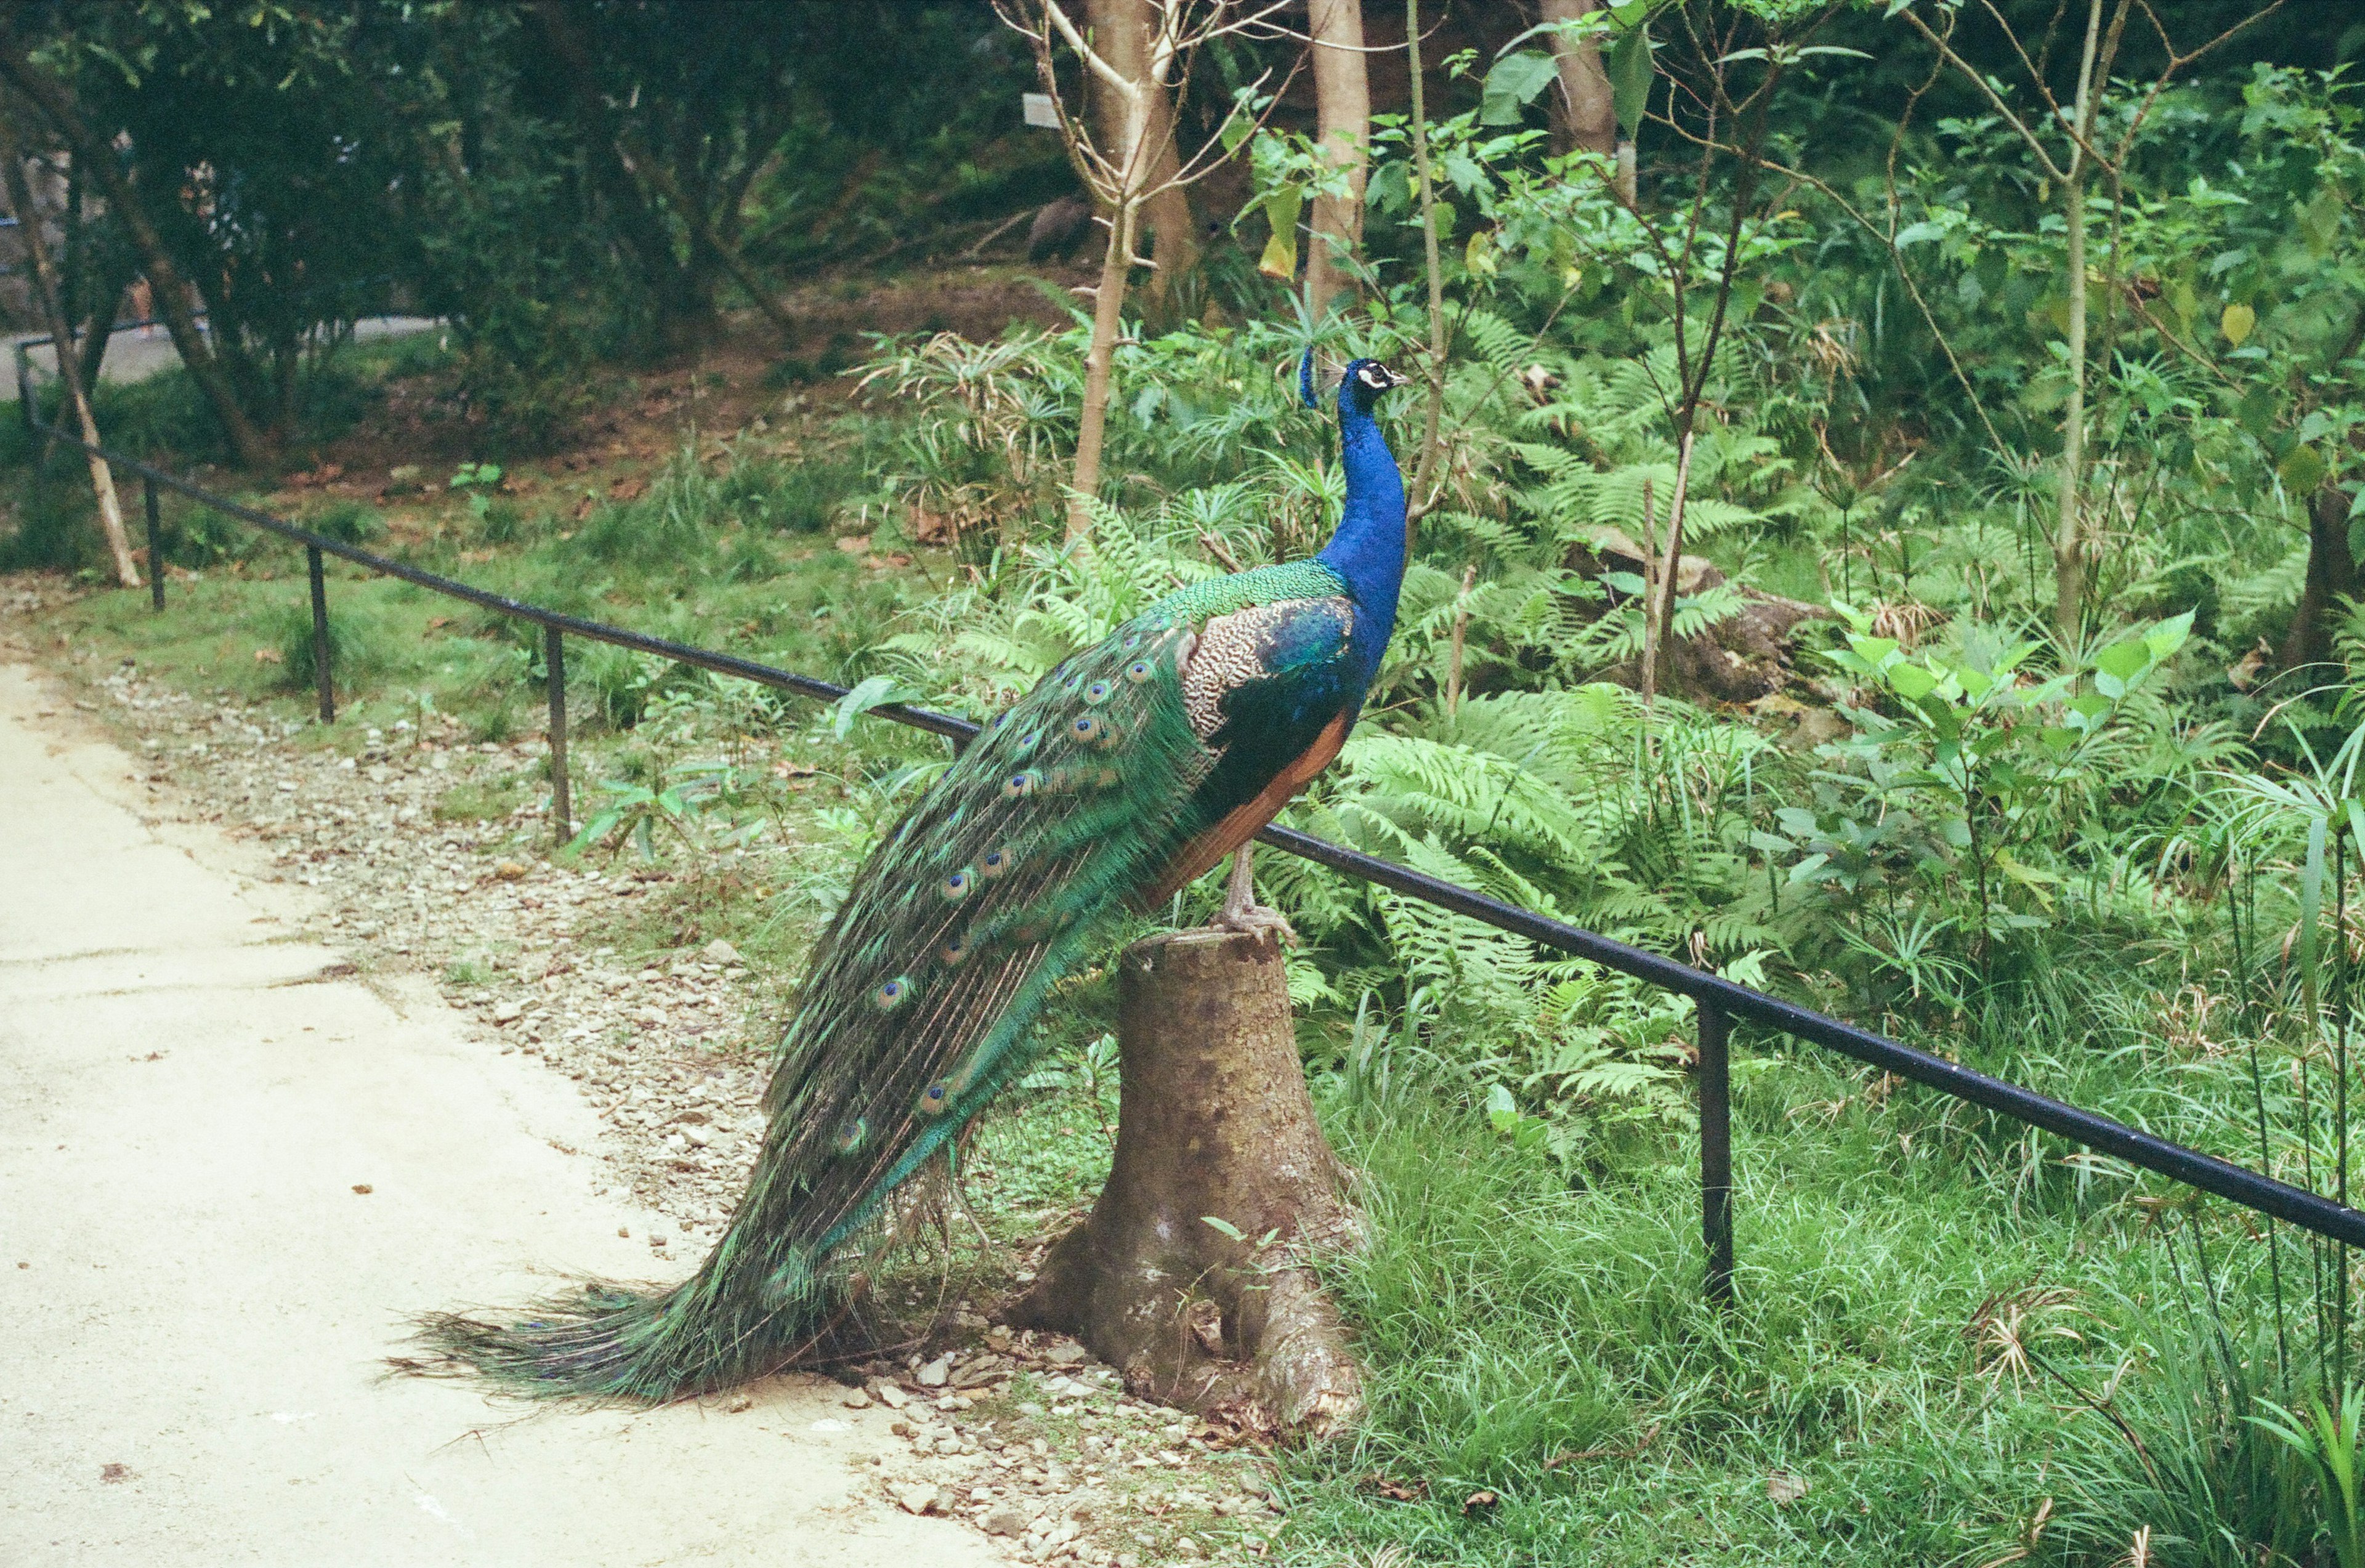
1041, 113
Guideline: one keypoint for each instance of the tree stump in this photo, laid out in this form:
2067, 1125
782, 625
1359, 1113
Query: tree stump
1216, 1123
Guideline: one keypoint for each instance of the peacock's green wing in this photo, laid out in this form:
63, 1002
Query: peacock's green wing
921, 994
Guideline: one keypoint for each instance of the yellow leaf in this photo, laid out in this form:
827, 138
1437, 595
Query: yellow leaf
1281, 210
2236, 323
1280, 258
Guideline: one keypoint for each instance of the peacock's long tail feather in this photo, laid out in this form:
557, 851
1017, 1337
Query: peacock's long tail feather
917, 1007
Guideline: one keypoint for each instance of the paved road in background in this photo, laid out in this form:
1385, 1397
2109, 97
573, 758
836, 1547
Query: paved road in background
143, 352
196, 1295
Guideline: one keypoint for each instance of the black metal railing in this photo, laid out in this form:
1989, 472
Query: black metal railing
1719, 1000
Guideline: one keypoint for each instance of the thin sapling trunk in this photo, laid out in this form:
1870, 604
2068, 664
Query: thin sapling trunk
62, 346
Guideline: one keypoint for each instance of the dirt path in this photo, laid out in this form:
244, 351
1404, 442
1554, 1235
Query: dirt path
230, 1167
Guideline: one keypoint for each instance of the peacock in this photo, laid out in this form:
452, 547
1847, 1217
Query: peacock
1132, 769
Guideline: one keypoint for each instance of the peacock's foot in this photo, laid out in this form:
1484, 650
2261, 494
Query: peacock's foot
1255, 919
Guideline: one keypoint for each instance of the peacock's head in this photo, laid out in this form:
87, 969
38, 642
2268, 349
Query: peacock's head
1364, 381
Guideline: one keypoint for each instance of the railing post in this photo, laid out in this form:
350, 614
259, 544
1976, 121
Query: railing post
562, 811
155, 547
321, 635
1716, 1149
25, 391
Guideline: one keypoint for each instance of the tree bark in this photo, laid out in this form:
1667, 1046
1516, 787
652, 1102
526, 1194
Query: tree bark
97, 154
1586, 115
62, 346
1342, 100
1100, 359
1216, 1121
1425, 480
113, 279
1122, 33
684, 316
2069, 543
2331, 576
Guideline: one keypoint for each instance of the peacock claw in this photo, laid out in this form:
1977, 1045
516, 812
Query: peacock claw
1241, 912
1256, 920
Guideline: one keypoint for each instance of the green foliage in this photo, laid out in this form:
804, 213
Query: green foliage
359, 649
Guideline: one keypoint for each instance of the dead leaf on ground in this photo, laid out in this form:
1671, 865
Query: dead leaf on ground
1477, 1501
1394, 1491
583, 509
268, 657
855, 543
1784, 1488
631, 487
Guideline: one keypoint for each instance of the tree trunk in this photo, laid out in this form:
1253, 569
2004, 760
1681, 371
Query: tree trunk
1100, 357
2331, 576
1585, 115
1343, 99
2069, 543
2068, 531
1659, 592
1425, 479
62, 346
1123, 31
1216, 1123
113, 279
683, 317
99, 155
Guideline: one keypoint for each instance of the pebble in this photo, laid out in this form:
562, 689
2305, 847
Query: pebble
934, 1374
912, 1496
1003, 1519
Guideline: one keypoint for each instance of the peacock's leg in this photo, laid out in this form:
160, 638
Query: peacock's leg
1241, 912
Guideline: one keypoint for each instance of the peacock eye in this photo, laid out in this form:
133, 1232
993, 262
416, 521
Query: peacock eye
1026, 741
955, 886
1138, 671
1018, 786
1072, 682
1086, 727
892, 995
954, 950
1000, 720
1097, 691
933, 1098
993, 863
851, 1136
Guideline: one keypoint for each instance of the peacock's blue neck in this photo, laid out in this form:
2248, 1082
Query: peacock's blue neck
1368, 551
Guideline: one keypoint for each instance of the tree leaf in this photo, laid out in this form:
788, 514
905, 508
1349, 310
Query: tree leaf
2236, 323
2124, 661
1912, 683
1629, 77
1281, 210
2301, 470
876, 692
1512, 85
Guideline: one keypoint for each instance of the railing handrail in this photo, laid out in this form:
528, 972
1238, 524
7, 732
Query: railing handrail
1717, 998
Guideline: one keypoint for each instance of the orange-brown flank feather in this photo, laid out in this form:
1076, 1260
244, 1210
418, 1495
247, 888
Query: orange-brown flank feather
1246, 820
